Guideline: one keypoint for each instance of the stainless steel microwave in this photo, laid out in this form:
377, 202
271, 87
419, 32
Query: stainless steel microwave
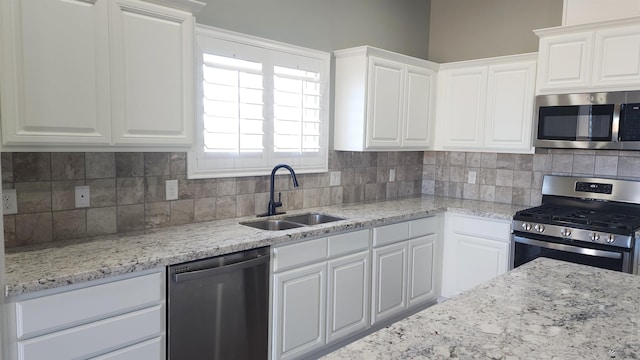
588, 121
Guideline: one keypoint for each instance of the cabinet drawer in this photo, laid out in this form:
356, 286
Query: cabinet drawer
424, 226
76, 307
348, 243
388, 234
488, 229
95, 338
306, 252
150, 349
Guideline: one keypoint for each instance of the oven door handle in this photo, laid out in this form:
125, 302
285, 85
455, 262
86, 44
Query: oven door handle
568, 248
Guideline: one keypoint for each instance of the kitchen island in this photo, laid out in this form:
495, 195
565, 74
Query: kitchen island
546, 309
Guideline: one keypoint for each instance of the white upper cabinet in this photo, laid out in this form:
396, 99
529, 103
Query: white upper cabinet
383, 101
83, 75
487, 104
55, 72
152, 74
601, 56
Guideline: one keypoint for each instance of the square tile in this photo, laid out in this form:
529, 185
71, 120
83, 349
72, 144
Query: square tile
129, 164
130, 217
70, 224
34, 228
67, 166
33, 196
129, 191
157, 215
31, 167
183, 211
100, 165
102, 221
157, 164
204, 209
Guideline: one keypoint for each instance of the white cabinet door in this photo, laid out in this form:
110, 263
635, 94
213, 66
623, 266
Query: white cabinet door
384, 110
479, 260
422, 273
347, 295
299, 311
565, 62
151, 55
55, 72
475, 250
463, 107
389, 279
617, 57
510, 106
418, 93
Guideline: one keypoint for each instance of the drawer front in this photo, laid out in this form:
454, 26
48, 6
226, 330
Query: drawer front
424, 226
95, 338
389, 234
76, 307
348, 243
302, 253
151, 349
477, 227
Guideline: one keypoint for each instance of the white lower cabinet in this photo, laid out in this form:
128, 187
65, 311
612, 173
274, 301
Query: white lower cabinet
476, 250
328, 289
347, 295
120, 319
300, 309
389, 281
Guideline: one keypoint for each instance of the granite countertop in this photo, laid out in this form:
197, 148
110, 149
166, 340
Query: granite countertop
546, 309
52, 265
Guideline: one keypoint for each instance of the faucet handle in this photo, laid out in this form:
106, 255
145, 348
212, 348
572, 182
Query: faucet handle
279, 202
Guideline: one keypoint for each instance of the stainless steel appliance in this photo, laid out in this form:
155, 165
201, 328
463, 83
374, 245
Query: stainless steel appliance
588, 121
591, 221
218, 308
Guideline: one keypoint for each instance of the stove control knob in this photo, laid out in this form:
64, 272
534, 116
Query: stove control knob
539, 228
611, 239
594, 237
526, 226
565, 232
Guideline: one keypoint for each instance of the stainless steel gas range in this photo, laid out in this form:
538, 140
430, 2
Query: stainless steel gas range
585, 220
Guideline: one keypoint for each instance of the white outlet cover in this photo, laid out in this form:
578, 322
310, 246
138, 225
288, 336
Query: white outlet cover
9, 202
392, 175
82, 196
335, 178
171, 189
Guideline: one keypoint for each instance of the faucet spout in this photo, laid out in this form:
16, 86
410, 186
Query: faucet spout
273, 204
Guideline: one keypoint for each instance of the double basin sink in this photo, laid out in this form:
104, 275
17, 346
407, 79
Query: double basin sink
291, 222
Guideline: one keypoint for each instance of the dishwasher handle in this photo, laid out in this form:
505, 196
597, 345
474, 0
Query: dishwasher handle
214, 271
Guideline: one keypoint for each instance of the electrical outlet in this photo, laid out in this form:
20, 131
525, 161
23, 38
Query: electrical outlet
82, 196
171, 189
9, 202
392, 175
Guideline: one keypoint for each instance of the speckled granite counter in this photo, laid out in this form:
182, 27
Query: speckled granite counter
546, 309
47, 266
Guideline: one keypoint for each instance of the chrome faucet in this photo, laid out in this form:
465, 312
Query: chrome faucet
273, 205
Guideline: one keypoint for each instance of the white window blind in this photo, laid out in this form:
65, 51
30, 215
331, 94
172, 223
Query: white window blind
260, 103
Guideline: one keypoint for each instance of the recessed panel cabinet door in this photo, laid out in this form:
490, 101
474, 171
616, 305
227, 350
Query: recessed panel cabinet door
617, 57
422, 274
565, 62
384, 110
151, 52
389, 281
348, 295
417, 96
464, 107
55, 72
299, 314
510, 97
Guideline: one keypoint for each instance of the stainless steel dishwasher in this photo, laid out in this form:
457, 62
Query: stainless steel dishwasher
218, 308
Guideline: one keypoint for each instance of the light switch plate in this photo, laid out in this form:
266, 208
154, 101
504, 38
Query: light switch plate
335, 178
82, 196
171, 189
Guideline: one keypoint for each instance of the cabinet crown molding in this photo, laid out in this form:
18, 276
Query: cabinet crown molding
367, 50
492, 60
191, 6
569, 29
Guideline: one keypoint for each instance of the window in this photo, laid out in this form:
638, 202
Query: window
260, 103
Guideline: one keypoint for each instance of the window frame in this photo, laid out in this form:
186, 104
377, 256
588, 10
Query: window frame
275, 54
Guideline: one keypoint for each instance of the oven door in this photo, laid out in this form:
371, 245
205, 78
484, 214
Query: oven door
525, 249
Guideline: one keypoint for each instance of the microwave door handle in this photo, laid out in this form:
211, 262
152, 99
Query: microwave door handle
569, 248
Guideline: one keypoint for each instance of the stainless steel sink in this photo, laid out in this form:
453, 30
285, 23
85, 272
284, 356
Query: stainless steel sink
312, 219
272, 224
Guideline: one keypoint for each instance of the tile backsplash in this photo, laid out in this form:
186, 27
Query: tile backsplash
517, 178
127, 191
